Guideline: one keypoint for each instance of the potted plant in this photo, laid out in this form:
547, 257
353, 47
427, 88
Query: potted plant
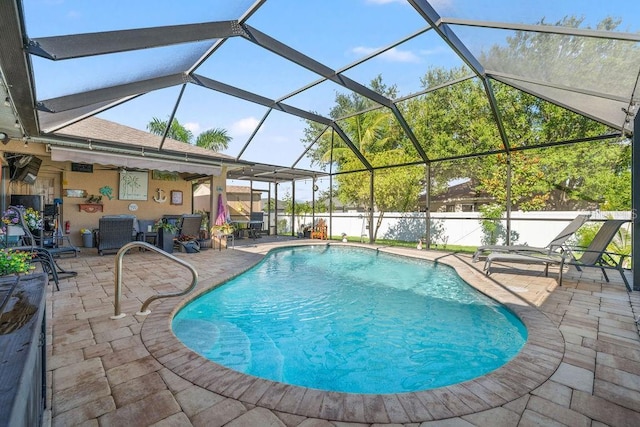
166, 233
32, 219
204, 226
87, 237
13, 263
222, 229
12, 226
22, 307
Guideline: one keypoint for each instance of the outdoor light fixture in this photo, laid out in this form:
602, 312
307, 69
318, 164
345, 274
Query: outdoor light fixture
4, 138
7, 102
17, 124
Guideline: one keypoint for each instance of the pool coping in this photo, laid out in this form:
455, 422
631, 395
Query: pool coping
530, 368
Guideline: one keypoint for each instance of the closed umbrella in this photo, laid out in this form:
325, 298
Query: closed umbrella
221, 217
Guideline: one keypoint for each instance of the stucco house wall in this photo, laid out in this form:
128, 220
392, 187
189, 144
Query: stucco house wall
55, 178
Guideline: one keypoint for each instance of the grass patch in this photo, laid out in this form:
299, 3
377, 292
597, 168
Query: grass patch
405, 244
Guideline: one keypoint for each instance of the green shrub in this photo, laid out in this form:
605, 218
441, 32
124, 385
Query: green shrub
15, 262
621, 244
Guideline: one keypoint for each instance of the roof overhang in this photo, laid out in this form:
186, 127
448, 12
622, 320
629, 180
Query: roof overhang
270, 173
153, 162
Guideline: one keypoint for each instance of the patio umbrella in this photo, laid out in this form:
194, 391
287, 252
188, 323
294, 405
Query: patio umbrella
221, 217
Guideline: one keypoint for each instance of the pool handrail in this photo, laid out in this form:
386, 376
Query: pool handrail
118, 278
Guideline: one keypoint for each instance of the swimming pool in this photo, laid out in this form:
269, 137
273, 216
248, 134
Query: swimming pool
352, 320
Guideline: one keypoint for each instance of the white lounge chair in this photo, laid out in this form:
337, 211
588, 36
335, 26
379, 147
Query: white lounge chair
595, 255
554, 246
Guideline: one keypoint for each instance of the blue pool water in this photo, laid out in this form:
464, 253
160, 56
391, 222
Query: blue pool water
351, 320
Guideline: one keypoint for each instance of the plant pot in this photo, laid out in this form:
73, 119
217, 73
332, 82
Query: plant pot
18, 309
165, 240
23, 349
87, 240
10, 241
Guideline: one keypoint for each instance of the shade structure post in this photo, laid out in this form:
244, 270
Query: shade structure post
635, 204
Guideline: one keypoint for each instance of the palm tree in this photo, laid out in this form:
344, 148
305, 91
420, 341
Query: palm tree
214, 139
177, 130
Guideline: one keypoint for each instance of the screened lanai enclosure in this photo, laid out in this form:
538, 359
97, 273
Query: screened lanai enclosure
452, 123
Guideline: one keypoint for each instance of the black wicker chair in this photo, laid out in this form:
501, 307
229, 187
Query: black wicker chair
114, 233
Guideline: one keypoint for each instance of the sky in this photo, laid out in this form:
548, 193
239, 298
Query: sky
334, 32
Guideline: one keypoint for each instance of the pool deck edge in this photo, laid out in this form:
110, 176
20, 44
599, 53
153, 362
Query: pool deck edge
540, 357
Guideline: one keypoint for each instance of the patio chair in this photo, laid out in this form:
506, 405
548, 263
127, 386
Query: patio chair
256, 222
42, 255
553, 246
190, 225
595, 255
114, 232
319, 230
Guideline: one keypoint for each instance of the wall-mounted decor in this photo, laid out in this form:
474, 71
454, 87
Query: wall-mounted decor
165, 176
133, 185
82, 167
159, 197
90, 207
75, 193
107, 192
176, 197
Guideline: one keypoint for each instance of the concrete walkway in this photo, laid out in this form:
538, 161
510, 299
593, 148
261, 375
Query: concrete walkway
580, 367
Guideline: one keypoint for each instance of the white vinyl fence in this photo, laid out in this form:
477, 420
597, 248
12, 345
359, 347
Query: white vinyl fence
447, 228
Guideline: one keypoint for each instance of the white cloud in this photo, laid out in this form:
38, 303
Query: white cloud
361, 50
244, 126
392, 55
398, 55
193, 127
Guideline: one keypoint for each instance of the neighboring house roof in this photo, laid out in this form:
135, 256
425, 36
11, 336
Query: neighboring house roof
242, 189
94, 128
462, 191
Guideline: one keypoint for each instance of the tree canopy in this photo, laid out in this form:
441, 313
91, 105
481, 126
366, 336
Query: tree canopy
213, 139
457, 128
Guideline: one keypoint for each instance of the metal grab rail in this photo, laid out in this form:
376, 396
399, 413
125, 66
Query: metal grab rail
118, 278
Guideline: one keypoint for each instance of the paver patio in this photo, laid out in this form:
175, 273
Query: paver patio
581, 365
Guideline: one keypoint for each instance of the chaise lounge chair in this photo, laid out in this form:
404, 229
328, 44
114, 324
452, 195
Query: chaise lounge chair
190, 225
44, 256
553, 246
595, 255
